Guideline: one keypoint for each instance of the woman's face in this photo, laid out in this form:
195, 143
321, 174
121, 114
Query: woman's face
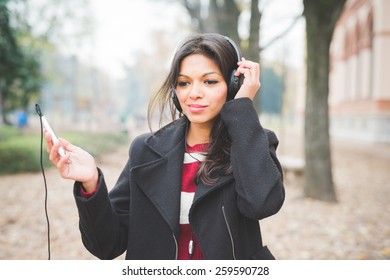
201, 89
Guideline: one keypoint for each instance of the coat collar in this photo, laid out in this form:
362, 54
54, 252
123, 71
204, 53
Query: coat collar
167, 138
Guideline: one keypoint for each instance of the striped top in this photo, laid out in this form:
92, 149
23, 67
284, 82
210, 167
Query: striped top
187, 243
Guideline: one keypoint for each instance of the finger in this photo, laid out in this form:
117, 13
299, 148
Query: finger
53, 153
67, 145
64, 164
49, 143
249, 64
65, 167
250, 71
250, 74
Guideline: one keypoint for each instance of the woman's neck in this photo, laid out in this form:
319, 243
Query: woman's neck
198, 134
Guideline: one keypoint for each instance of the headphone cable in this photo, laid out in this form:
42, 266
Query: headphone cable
44, 179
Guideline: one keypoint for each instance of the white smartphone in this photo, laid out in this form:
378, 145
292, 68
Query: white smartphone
54, 138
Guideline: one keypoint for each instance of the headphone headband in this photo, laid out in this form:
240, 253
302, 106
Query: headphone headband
235, 47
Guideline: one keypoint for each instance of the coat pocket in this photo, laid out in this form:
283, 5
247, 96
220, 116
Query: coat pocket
263, 254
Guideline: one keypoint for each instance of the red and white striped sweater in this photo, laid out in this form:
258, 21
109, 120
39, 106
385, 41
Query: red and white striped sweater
187, 243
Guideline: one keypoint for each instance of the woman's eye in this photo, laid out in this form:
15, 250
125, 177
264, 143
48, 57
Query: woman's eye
182, 84
211, 82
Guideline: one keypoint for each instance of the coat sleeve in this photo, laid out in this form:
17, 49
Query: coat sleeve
104, 217
256, 169
103, 228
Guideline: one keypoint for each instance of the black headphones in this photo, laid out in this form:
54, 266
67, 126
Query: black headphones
234, 83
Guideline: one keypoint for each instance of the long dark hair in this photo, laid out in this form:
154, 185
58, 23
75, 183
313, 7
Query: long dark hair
220, 50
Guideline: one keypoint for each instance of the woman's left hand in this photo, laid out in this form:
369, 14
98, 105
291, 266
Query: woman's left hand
251, 84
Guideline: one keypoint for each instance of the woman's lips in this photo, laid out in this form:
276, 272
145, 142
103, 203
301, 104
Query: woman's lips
195, 108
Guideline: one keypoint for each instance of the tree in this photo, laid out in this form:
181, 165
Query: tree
321, 17
221, 17
10, 59
21, 47
29, 78
253, 50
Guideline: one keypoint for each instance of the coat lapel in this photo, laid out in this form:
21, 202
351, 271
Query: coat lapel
203, 190
160, 178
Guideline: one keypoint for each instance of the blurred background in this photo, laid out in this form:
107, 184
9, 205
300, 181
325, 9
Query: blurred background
92, 66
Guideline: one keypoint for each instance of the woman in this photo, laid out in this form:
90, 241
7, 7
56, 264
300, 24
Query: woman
197, 187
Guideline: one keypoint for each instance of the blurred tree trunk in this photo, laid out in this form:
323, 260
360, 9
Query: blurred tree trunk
253, 51
227, 15
321, 17
221, 17
2, 105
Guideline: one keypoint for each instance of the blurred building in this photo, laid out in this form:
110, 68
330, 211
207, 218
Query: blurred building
77, 95
359, 77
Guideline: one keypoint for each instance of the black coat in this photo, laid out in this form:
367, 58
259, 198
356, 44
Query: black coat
141, 213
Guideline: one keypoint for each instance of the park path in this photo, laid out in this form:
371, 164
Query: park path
357, 227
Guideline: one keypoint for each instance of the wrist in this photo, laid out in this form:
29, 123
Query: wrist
91, 185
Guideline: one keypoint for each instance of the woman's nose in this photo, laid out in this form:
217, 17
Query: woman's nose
195, 91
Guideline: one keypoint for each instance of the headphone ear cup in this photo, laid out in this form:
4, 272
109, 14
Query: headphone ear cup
176, 101
234, 85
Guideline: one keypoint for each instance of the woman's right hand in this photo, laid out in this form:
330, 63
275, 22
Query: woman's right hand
77, 164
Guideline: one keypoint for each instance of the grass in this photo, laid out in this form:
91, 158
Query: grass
20, 150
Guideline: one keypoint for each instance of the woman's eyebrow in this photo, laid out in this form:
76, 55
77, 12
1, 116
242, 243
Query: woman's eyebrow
205, 74
211, 73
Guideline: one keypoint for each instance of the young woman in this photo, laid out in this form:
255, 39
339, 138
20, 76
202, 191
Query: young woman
197, 187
